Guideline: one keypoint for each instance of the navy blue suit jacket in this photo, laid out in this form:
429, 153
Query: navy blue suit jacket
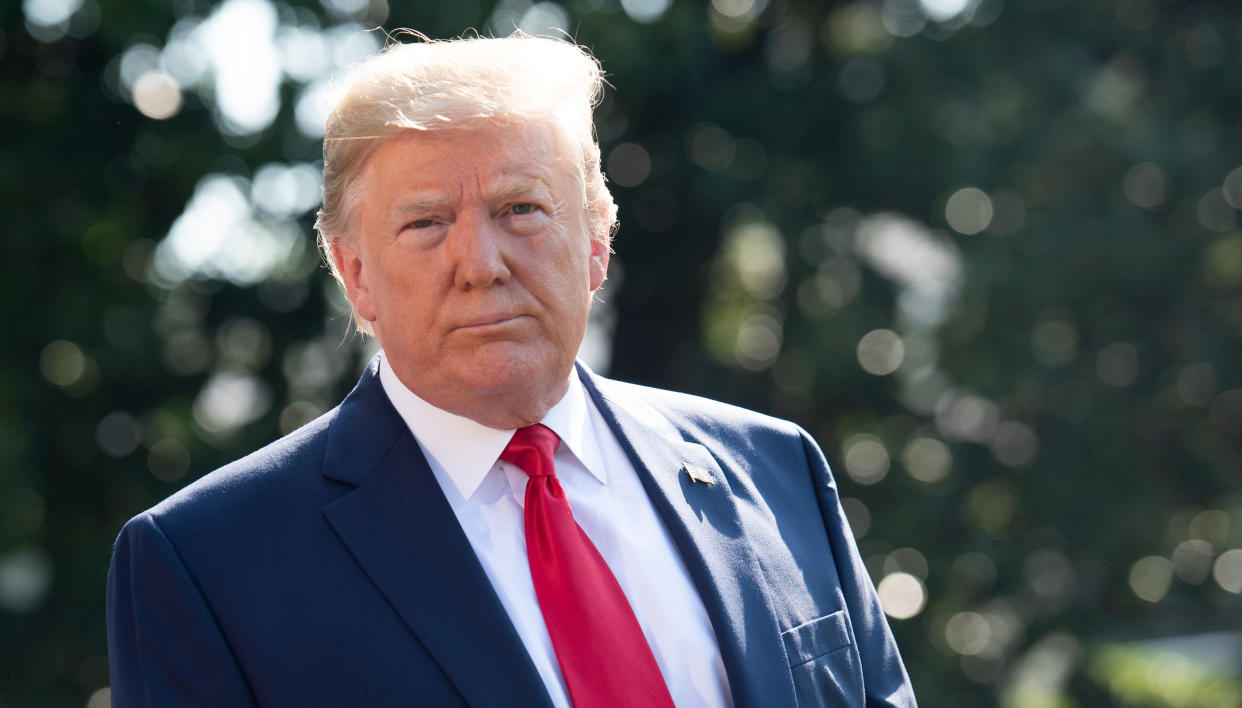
327, 569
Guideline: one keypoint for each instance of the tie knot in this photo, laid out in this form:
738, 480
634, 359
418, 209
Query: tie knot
531, 449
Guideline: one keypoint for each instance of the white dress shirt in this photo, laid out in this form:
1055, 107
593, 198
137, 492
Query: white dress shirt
611, 506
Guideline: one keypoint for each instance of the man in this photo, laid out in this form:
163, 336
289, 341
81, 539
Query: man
481, 522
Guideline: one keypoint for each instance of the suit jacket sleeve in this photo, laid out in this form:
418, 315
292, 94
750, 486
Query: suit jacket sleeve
165, 647
885, 681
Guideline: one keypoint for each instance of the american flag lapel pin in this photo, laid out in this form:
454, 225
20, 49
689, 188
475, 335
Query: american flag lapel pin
697, 473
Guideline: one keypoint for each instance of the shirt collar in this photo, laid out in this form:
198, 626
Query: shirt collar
467, 450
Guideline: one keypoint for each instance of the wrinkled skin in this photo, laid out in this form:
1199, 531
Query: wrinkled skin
471, 256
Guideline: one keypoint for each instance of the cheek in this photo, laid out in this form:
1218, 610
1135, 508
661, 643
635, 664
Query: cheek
400, 295
567, 278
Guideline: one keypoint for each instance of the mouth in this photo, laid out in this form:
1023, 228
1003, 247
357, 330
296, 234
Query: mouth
489, 323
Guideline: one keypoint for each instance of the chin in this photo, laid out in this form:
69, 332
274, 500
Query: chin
497, 371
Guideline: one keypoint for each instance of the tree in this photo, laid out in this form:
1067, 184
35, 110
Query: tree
986, 253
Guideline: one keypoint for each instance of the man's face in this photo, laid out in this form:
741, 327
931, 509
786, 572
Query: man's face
471, 257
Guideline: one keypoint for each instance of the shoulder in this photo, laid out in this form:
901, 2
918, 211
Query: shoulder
699, 419
275, 474
686, 406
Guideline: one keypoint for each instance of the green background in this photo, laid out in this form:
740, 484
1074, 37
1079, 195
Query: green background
990, 261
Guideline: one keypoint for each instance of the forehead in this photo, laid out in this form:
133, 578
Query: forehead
481, 153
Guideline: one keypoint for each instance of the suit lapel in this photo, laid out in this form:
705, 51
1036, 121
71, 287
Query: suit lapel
708, 531
402, 531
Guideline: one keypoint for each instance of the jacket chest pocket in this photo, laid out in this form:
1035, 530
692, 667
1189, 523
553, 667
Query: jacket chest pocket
824, 662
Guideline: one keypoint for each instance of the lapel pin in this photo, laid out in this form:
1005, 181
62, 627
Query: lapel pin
698, 474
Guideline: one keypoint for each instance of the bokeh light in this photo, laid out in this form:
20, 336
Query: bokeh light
789, 48
967, 633
856, 28
218, 236
1013, 274
168, 459
738, 8
866, 459
968, 211
1014, 443
156, 95
100, 698
1231, 190
48, 20
907, 560
1051, 575
1192, 560
902, 595
1150, 578
966, 416
756, 252
628, 165
544, 19
758, 339
710, 147
1054, 339
230, 400
880, 352
1227, 570
1215, 212
240, 41
286, 191
645, 11
25, 576
945, 10
925, 266
118, 434
1146, 185
1210, 525
62, 363
991, 506
927, 459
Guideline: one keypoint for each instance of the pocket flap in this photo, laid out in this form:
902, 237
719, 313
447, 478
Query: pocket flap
813, 639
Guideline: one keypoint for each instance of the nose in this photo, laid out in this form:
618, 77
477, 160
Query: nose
477, 247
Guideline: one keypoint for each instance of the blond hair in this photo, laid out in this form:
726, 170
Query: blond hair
436, 85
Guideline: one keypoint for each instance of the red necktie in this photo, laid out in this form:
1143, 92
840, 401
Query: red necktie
601, 649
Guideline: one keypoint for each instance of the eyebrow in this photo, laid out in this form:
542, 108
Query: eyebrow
515, 185
503, 188
428, 201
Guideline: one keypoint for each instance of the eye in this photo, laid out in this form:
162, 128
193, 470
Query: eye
523, 209
420, 224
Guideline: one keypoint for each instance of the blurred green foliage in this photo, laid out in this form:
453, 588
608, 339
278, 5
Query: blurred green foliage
1160, 679
985, 251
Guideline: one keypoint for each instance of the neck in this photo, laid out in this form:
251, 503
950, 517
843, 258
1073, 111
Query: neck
507, 412
505, 409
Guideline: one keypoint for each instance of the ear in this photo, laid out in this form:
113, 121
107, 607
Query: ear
348, 259
599, 230
598, 266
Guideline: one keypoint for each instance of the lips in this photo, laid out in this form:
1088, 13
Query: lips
487, 322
